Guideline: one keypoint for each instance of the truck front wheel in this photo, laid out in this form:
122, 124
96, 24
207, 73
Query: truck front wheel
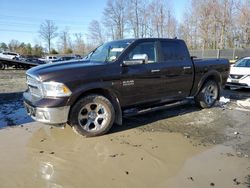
92, 115
208, 94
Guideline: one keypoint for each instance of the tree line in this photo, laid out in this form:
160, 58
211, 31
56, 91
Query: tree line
23, 48
134, 18
216, 24
206, 24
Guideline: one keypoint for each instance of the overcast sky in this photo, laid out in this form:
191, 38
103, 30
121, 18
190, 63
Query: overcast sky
21, 19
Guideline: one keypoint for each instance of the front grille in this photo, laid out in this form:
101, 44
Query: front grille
236, 84
236, 76
34, 86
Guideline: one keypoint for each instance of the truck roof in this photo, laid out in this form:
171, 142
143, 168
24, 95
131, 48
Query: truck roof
144, 39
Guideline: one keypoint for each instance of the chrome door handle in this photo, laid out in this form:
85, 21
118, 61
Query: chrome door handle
155, 70
186, 67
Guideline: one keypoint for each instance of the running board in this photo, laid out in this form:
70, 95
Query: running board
138, 111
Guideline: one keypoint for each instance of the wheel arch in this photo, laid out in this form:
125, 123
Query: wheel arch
212, 75
106, 93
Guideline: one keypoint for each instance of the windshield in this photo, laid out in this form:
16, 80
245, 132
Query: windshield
243, 63
109, 51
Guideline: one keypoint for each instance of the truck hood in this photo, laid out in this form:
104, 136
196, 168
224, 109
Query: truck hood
240, 70
50, 72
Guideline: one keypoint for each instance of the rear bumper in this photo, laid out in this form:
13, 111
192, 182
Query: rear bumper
57, 115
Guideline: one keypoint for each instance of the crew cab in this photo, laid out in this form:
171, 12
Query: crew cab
122, 78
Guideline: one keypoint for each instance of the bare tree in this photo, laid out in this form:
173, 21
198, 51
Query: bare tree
161, 21
13, 45
65, 41
79, 45
215, 24
134, 14
95, 32
243, 20
170, 29
115, 18
48, 31
138, 18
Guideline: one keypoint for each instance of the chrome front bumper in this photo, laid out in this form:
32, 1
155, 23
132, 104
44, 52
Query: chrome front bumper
57, 115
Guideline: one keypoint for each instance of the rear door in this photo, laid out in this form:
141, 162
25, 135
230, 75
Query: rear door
178, 68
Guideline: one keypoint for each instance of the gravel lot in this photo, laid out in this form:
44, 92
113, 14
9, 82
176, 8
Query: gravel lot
180, 147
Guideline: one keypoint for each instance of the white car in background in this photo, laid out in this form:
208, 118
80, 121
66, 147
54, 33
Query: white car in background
48, 58
9, 55
239, 76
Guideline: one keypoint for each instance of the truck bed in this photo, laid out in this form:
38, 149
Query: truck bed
218, 67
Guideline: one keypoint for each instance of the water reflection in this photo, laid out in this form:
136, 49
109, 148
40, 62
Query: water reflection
46, 170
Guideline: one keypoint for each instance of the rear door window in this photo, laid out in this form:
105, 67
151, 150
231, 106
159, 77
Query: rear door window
173, 51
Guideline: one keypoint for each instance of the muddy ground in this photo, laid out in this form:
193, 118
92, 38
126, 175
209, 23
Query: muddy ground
181, 147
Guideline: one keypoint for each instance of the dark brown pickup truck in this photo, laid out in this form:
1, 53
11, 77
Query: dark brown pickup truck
121, 78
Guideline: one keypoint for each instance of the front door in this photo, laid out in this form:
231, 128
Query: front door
142, 83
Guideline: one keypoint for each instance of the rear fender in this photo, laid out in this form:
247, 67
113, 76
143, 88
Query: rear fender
211, 75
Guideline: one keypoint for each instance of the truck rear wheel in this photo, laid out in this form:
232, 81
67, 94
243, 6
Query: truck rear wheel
92, 115
208, 94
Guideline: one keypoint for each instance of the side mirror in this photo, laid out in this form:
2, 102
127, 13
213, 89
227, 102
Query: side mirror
137, 60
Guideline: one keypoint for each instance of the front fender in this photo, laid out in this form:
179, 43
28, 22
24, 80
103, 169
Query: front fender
102, 88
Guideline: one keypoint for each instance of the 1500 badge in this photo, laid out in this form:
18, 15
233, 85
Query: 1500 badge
128, 83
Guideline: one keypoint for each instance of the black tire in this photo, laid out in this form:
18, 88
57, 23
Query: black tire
208, 94
2, 66
92, 115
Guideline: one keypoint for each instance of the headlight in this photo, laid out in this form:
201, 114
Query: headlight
55, 89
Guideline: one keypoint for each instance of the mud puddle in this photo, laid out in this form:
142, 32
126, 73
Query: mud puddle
38, 156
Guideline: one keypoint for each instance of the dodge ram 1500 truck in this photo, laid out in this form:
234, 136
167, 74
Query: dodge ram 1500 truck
121, 78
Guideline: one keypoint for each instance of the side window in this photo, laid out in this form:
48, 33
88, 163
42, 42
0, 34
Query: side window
172, 51
148, 48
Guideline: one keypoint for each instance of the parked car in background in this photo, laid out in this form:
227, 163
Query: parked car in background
65, 58
9, 55
48, 58
34, 60
239, 76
